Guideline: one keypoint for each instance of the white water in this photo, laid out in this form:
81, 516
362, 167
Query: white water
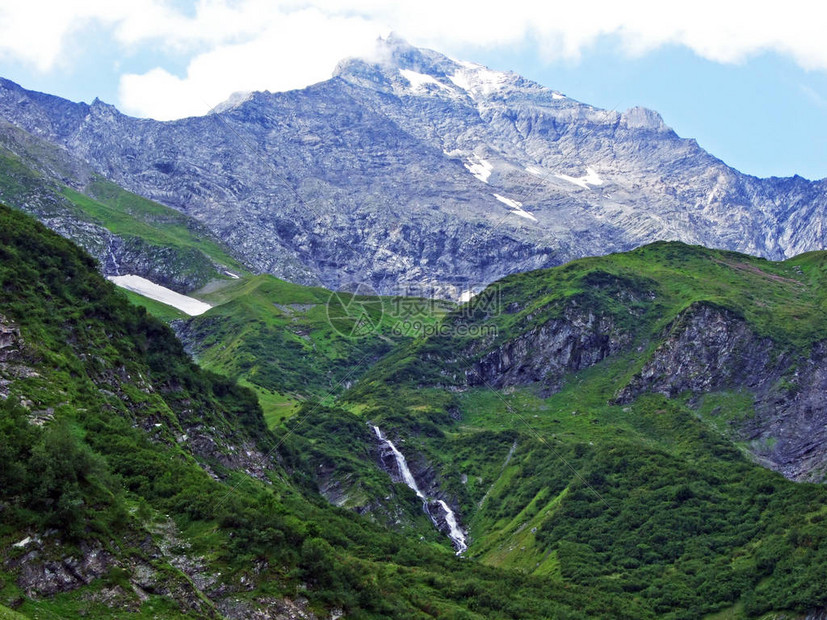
455, 533
401, 463
112, 257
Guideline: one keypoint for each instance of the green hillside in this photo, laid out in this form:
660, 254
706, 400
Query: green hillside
292, 343
570, 457
133, 483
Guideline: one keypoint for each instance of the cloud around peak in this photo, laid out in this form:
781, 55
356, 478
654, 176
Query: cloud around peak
280, 45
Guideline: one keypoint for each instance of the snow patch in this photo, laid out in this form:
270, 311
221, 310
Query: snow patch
535, 170
420, 81
23, 542
460, 78
479, 80
468, 64
231, 274
516, 206
466, 296
417, 80
149, 289
590, 178
557, 96
508, 201
480, 168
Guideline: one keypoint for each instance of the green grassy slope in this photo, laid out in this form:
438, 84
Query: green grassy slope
130, 215
642, 291
292, 342
160, 471
648, 497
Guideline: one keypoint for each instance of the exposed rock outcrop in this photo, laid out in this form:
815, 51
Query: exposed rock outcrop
709, 349
546, 353
13, 362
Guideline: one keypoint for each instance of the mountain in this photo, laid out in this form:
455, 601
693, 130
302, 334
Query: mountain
415, 172
638, 434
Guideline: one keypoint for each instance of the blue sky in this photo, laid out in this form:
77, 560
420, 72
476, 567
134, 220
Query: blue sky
749, 83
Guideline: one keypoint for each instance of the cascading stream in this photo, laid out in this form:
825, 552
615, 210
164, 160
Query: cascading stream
113, 259
455, 533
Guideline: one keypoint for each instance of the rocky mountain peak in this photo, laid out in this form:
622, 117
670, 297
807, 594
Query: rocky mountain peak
644, 118
392, 53
398, 67
412, 168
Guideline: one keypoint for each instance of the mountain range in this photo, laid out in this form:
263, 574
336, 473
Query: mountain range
559, 391
413, 171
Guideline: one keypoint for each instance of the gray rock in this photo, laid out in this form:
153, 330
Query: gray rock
546, 353
368, 176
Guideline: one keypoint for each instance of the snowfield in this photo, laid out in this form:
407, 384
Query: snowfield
590, 178
421, 81
480, 168
478, 80
149, 289
516, 206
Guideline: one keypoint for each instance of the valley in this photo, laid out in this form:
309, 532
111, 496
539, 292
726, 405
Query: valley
421, 340
569, 458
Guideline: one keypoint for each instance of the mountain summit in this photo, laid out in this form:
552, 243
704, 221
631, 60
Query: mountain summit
412, 170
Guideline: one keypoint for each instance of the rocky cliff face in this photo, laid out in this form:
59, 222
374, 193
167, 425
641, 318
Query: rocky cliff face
710, 349
707, 349
546, 353
420, 170
37, 177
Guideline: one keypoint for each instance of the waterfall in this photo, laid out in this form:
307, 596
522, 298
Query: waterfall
455, 533
112, 257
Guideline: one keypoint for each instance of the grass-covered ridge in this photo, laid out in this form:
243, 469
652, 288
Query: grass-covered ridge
130, 215
642, 292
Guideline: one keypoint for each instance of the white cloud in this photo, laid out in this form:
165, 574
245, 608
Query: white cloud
292, 51
35, 32
282, 44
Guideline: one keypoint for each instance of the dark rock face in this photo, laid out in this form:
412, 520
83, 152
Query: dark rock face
543, 355
706, 349
14, 358
47, 577
421, 170
709, 349
44, 568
